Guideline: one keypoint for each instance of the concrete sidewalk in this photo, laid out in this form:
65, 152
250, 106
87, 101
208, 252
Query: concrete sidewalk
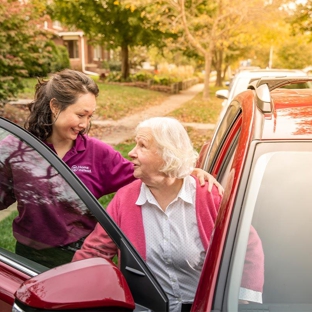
123, 129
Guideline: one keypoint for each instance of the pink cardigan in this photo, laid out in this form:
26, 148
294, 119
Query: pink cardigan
128, 217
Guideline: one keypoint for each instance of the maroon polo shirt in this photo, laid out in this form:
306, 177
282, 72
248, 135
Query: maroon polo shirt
50, 213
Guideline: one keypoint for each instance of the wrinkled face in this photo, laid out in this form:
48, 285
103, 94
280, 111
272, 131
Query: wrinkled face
145, 157
74, 118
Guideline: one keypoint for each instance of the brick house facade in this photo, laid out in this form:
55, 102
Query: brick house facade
82, 55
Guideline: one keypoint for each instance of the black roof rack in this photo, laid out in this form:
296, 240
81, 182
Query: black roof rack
263, 86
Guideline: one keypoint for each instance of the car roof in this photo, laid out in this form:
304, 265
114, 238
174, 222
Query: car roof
256, 73
291, 116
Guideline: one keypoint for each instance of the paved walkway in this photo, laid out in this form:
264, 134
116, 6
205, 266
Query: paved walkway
123, 129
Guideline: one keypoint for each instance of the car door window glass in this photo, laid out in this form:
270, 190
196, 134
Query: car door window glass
31, 175
224, 128
278, 207
50, 219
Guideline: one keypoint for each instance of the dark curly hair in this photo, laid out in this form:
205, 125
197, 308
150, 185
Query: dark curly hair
64, 88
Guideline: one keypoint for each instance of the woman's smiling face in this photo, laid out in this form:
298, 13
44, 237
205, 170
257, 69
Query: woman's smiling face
74, 118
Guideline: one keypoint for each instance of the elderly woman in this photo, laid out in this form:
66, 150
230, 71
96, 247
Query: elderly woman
167, 216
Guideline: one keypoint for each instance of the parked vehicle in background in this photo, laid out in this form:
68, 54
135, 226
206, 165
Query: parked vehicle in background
262, 155
242, 79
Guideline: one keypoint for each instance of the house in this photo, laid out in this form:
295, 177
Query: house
82, 55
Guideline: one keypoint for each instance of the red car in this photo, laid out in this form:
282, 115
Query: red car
261, 152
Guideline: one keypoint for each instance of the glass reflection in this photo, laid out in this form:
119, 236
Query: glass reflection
52, 220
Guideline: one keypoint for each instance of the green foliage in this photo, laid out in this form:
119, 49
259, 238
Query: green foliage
60, 58
300, 20
114, 66
142, 76
145, 76
165, 80
24, 47
114, 77
109, 22
54, 59
287, 56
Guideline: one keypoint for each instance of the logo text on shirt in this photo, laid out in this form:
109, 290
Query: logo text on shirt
76, 168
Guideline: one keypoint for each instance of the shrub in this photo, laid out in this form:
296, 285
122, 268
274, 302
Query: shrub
114, 77
142, 76
114, 66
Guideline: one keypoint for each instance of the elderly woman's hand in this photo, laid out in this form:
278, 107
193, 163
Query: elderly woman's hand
203, 176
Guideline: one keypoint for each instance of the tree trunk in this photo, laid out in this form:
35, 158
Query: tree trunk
208, 61
219, 61
124, 61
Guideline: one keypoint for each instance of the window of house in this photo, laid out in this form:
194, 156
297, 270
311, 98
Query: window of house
57, 25
72, 47
97, 54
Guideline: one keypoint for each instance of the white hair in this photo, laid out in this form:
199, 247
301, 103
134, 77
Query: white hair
174, 144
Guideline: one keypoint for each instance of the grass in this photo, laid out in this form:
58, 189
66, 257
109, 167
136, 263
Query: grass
124, 149
117, 101
114, 101
7, 240
199, 110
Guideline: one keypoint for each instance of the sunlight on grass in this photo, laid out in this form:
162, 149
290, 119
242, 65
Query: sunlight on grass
198, 110
114, 101
117, 101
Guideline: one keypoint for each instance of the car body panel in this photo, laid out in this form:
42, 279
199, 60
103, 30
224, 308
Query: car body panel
292, 115
98, 292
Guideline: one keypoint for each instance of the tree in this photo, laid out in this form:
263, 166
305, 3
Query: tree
23, 45
301, 18
207, 26
110, 23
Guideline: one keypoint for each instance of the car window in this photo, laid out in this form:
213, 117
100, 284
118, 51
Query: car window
32, 175
277, 206
221, 134
40, 200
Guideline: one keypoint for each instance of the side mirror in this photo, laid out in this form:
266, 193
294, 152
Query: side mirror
222, 94
87, 284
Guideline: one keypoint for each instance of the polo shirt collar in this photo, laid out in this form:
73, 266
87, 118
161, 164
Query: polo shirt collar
79, 144
147, 196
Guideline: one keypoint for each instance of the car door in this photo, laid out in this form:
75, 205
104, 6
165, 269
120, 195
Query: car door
224, 159
274, 199
44, 178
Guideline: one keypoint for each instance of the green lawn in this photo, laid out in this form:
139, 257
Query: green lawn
7, 241
198, 110
117, 101
114, 101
